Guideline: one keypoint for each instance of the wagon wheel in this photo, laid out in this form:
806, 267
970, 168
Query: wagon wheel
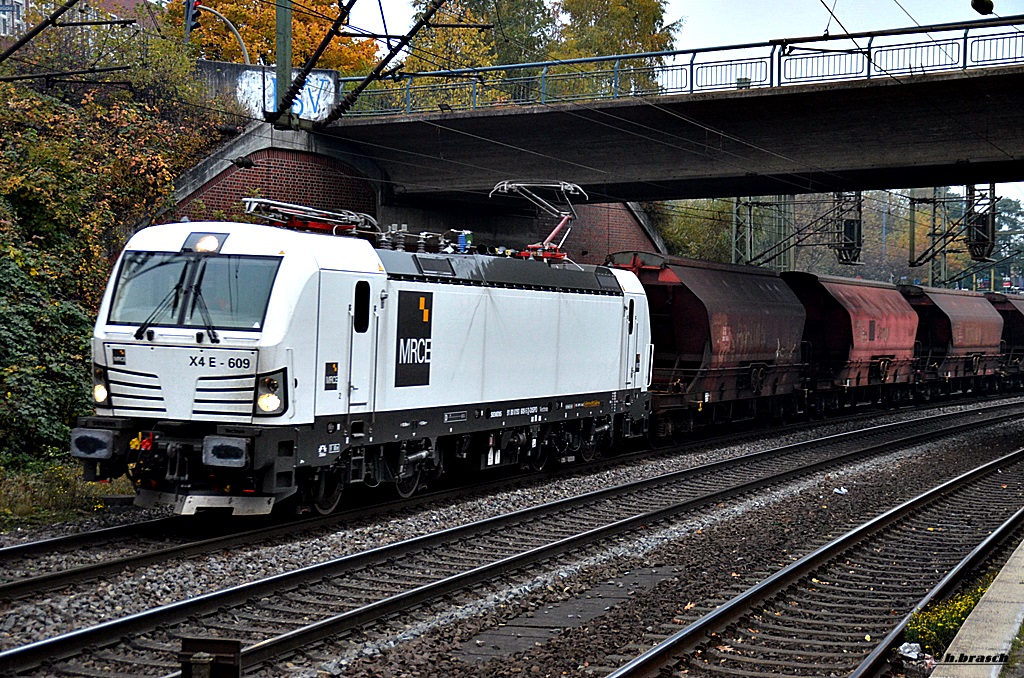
406, 487
757, 376
327, 492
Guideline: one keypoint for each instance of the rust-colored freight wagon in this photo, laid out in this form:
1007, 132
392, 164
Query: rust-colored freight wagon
858, 339
726, 338
958, 337
1011, 308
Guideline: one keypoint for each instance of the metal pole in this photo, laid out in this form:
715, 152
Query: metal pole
867, 66
931, 264
749, 254
738, 235
284, 52
885, 219
913, 226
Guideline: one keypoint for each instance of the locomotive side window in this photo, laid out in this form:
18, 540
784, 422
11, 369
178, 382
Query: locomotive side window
631, 316
362, 307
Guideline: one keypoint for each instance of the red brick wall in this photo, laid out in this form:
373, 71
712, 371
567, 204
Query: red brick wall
322, 182
603, 229
289, 176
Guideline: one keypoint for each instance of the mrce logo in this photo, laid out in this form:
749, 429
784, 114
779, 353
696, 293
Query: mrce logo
412, 357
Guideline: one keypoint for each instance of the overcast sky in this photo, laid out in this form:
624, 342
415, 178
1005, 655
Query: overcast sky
710, 23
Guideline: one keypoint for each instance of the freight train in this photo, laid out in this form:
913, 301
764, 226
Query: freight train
237, 366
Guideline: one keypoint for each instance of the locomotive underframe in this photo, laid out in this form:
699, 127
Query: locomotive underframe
171, 462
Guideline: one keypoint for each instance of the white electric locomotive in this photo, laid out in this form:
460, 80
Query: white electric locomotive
237, 365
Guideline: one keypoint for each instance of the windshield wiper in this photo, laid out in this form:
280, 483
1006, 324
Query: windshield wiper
204, 311
170, 301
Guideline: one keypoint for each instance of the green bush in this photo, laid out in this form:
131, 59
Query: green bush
79, 171
44, 349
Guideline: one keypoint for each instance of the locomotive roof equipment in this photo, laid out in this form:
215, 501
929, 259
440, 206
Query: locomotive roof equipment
546, 249
300, 217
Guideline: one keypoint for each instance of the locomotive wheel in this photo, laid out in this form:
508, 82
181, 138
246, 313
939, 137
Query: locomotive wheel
327, 493
407, 487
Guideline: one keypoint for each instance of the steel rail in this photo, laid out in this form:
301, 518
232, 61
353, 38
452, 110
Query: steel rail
874, 663
8, 553
150, 529
651, 663
60, 647
258, 653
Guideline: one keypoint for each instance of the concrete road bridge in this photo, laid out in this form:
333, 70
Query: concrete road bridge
926, 106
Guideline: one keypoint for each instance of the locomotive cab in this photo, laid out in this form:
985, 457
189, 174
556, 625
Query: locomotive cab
204, 355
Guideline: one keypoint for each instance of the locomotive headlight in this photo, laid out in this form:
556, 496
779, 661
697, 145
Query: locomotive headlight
204, 243
271, 393
208, 243
100, 391
269, 402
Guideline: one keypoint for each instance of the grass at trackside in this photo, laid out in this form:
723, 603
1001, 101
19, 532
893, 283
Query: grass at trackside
1014, 668
50, 494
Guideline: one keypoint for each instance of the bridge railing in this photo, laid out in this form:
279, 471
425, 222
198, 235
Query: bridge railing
777, 63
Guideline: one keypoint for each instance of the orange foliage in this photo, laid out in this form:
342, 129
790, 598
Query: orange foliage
256, 23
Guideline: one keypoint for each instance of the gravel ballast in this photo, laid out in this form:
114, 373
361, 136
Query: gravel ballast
63, 611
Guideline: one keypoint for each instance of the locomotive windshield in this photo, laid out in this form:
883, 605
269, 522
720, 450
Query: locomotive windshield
177, 289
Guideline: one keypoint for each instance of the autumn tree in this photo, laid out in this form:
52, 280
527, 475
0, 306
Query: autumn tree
699, 229
447, 48
603, 27
256, 22
83, 163
443, 48
524, 30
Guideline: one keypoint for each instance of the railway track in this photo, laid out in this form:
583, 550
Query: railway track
32, 568
278, 614
842, 608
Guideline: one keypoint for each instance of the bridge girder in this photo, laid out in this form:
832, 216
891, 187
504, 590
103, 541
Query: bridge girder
963, 127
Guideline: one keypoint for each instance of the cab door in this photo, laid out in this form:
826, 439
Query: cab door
630, 362
363, 342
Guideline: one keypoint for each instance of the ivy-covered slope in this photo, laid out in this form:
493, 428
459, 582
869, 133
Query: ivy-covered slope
76, 175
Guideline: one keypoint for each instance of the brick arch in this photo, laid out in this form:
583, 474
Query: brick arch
289, 176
